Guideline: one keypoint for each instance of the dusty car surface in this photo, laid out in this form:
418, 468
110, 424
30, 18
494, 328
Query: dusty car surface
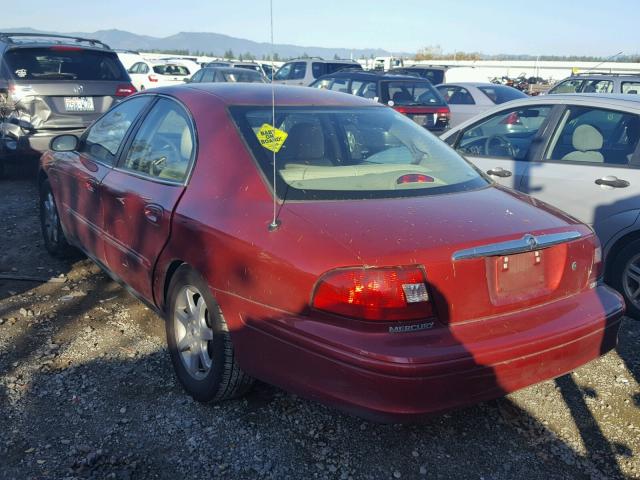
396, 281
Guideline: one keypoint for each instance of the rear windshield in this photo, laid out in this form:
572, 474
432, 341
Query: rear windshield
171, 69
435, 76
407, 92
64, 63
500, 94
354, 153
241, 75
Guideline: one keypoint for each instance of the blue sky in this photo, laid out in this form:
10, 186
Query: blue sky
559, 27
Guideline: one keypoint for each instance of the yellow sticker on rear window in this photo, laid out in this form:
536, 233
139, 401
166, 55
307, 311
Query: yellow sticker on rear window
271, 138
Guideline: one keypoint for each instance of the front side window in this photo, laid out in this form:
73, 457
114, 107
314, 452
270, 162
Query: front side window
631, 87
407, 93
454, 95
103, 139
208, 75
197, 77
325, 83
595, 135
284, 72
568, 86
506, 134
299, 71
163, 147
346, 152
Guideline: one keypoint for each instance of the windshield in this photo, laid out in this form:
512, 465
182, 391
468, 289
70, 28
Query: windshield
64, 63
501, 94
170, 69
407, 92
340, 153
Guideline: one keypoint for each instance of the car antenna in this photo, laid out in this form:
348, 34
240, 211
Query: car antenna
274, 222
603, 62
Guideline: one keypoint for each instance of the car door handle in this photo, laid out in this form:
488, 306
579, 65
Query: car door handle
153, 213
611, 181
90, 185
499, 172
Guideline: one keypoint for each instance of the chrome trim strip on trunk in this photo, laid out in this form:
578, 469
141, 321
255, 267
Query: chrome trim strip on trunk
527, 243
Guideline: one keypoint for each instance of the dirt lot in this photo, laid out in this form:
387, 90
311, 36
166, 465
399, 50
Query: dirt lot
87, 391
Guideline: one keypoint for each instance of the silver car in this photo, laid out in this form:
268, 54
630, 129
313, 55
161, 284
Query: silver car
468, 99
577, 152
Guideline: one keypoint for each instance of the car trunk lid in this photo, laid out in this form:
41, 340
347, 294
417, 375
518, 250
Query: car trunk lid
485, 252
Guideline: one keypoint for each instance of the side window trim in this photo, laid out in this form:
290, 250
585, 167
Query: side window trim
124, 148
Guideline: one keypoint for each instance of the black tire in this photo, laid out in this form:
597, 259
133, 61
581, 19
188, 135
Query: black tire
617, 277
223, 379
54, 240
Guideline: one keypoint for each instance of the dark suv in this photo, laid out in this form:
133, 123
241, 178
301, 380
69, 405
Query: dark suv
52, 84
410, 95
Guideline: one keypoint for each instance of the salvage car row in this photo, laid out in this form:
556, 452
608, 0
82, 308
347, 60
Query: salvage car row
332, 246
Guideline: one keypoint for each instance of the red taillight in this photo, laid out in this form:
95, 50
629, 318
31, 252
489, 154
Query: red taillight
512, 119
414, 178
596, 265
125, 90
380, 294
153, 78
443, 113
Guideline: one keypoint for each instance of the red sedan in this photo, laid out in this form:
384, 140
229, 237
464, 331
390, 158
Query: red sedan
396, 281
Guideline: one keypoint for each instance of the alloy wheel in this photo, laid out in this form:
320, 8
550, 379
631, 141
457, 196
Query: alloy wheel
631, 280
193, 333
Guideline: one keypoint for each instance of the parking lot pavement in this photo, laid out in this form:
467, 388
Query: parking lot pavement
87, 391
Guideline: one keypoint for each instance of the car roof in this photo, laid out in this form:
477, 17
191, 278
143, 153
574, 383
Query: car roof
232, 70
23, 39
257, 94
371, 76
602, 99
475, 84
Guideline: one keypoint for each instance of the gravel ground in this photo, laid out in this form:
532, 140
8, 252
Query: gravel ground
87, 391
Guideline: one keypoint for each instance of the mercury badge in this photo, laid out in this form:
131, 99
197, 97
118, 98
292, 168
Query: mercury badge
78, 89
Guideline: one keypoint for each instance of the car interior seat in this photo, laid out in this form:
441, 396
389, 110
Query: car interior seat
304, 146
402, 96
176, 168
587, 141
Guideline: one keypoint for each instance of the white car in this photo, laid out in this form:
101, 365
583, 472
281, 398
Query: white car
157, 73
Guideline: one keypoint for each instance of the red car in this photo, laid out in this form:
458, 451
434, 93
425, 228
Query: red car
396, 281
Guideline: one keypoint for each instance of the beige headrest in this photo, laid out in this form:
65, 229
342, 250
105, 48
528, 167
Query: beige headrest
586, 138
186, 144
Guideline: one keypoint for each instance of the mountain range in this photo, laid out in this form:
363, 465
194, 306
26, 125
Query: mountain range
214, 44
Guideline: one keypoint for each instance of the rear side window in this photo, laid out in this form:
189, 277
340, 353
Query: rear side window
103, 139
164, 145
64, 63
455, 95
598, 86
501, 94
335, 67
340, 85
595, 135
631, 87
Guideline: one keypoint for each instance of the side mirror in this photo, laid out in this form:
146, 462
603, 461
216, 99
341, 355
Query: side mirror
186, 80
64, 143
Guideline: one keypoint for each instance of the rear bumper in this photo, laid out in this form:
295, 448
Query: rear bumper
403, 377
